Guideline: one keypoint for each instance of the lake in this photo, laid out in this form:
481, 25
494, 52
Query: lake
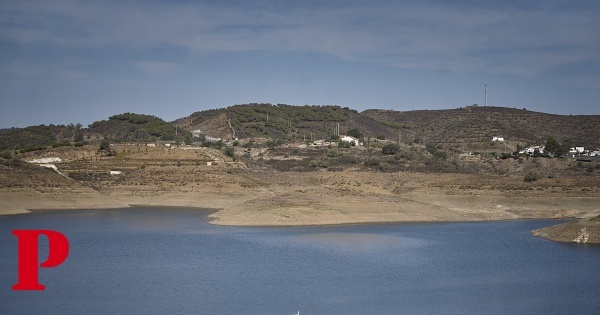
169, 260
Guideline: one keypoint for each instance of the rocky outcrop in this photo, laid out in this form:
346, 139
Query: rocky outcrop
584, 231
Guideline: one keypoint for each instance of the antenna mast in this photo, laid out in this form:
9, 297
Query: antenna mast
486, 103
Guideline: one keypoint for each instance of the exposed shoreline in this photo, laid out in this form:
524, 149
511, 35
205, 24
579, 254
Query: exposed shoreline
321, 204
245, 197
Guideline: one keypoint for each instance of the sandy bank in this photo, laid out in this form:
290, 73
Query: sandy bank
320, 199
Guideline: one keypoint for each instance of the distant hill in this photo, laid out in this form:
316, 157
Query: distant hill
466, 128
475, 126
469, 128
137, 127
36, 137
288, 122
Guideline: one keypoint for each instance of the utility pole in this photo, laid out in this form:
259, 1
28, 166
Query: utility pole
399, 136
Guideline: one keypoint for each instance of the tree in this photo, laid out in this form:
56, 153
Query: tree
552, 145
354, 133
105, 145
228, 151
390, 149
564, 149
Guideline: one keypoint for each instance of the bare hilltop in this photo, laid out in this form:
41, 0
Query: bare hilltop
263, 164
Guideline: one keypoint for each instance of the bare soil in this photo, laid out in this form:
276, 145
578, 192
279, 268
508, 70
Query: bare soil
259, 196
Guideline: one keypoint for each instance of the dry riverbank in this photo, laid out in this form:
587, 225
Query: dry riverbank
259, 198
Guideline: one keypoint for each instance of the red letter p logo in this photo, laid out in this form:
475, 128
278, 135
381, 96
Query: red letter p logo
58, 250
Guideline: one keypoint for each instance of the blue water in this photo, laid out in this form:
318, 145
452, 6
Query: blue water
157, 261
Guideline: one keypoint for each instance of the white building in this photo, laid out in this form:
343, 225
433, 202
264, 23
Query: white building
498, 139
349, 139
531, 150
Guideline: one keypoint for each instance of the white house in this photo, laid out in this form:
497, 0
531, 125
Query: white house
498, 139
349, 139
531, 150
196, 133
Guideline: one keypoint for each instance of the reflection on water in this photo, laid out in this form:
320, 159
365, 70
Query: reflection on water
359, 241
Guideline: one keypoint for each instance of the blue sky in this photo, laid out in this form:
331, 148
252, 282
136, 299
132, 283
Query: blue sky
78, 61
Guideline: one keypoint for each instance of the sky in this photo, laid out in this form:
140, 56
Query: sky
70, 61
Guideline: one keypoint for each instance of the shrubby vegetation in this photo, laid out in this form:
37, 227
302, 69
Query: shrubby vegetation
138, 127
531, 176
390, 149
319, 163
278, 121
553, 147
354, 133
27, 139
344, 144
228, 151
5, 154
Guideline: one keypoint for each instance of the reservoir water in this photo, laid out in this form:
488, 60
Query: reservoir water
170, 261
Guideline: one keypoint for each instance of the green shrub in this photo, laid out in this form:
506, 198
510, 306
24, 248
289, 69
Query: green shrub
440, 155
228, 151
390, 149
319, 163
531, 177
105, 145
347, 159
384, 166
333, 153
59, 144
5, 154
371, 162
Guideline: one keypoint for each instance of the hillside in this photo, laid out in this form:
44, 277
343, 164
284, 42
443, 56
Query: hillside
39, 137
460, 130
469, 128
138, 127
473, 127
281, 121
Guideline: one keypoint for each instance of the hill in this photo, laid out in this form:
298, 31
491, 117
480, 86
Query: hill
138, 127
462, 130
473, 127
469, 128
281, 121
39, 137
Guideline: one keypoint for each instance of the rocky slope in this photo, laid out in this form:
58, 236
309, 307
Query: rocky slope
585, 231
